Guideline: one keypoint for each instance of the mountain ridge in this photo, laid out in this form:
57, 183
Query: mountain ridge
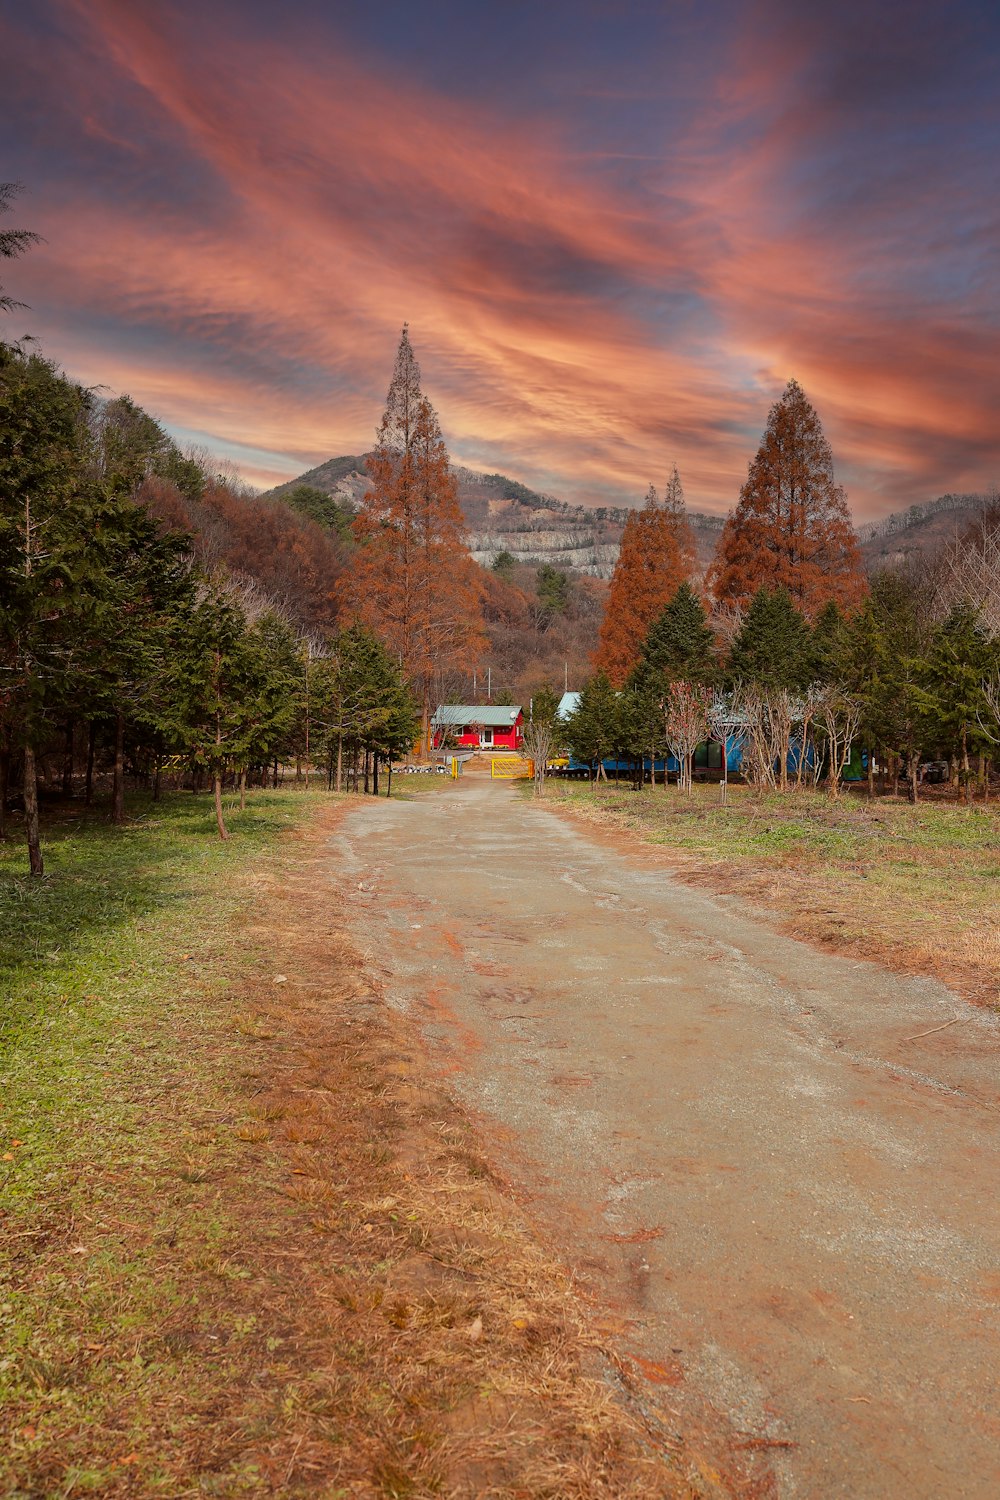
504, 515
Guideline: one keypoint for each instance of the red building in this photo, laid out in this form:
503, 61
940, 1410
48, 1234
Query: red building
493, 726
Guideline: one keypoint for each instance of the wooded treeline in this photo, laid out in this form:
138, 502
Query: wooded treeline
120, 648
905, 677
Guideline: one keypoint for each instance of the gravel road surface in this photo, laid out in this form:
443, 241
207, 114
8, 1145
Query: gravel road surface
784, 1205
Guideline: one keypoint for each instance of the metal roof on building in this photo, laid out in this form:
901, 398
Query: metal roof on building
490, 715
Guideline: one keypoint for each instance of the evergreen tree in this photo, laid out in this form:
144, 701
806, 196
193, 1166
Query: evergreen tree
415, 582
959, 661
592, 729
55, 526
552, 586
655, 556
791, 528
773, 649
829, 644
362, 704
12, 241
210, 681
680, 645
131, 447
322, 508
885, 667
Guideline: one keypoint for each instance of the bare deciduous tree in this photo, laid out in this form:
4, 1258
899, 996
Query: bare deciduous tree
686, 711
539, 738
839, 716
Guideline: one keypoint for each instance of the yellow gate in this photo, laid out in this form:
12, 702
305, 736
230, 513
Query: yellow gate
511, 768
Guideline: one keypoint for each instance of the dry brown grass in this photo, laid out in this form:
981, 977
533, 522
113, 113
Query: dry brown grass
914, 888
450, 1354
308, 1280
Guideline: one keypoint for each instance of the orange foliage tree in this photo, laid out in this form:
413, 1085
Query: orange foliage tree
791, 528
657, 554
415, 584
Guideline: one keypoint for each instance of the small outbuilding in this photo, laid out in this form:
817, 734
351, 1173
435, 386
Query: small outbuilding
492, 726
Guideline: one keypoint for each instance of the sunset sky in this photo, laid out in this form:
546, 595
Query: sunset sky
615, 229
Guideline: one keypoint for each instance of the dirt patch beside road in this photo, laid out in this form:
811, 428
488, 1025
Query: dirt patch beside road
914, 887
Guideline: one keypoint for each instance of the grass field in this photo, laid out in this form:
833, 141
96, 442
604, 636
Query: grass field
917, 887
118, 1064
246, 1246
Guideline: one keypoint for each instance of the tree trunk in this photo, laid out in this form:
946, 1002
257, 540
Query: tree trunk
118, 785
375, 774
339, 783
912, 772
35, 862
220, 822
966, 768
871, 775
67, 769
5, 760
786, 740
388, 785
4, 784
157, 769
243, 788
88, 793
367, 769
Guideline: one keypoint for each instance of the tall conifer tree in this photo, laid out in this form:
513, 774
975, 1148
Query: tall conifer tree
680, 645
774, 646
656, 554
415, 581
791, 528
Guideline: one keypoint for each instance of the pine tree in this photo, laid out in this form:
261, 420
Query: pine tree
12, 241
680, 645
415, 582
656, 554
592, 729
773, 649
829, 644
361, 704
959, 661
56, 527
791, 528
885, 667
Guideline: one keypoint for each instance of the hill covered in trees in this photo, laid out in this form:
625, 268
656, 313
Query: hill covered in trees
504, 516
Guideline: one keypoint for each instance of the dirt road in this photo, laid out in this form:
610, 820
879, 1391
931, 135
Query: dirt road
789, 1203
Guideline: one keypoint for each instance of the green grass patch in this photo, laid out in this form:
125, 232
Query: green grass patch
122, 1074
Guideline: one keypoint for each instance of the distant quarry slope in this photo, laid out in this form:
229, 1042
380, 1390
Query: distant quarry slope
505, 516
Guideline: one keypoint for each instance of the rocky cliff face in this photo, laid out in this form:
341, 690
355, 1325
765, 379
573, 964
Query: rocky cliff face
505, 516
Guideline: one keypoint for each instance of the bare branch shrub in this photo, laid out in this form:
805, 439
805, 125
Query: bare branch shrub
839, 716
539, 738
685, 724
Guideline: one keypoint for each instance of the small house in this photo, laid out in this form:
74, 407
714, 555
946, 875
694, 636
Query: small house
491, 726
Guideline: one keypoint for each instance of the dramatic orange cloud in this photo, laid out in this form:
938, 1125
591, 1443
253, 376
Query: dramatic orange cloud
253, 216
